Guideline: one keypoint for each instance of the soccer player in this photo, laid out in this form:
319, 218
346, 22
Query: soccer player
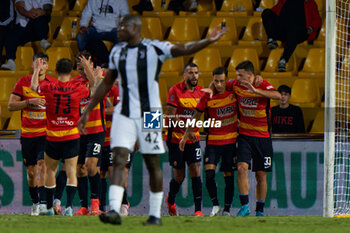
62, 100
221, 142
254, 140
33, 131
181, 104
91, 143
137, 62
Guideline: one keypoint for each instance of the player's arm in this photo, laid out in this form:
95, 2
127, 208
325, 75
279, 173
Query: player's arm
109, 107
34, 84
273, 94
195, 46
100, 93
171, 113
189, 132
86, 63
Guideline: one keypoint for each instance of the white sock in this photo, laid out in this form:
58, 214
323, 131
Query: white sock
115, 197
155, 203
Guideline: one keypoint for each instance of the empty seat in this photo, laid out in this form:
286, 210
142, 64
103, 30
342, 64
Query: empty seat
271, 66
6, 88
314, 65
173, 65
305, 93
60, 7
24, 58
154, 27
206, 77
204, 8
163, 91
236, 8
171, 78
318, 124
242, 54
55, 54
230, 37
184, 30
68, 31
15, 121
78, 7
207, 59
158, 10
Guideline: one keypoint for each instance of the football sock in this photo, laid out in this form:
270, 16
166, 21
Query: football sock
197, 193
229, 189
70, 190
115, 197
33, 191
83, 191
260, 206
95, 185
50, 190
103, 194
125, 197
42, 194
155, 203
244, 199
61, 181
211, 186
173, 190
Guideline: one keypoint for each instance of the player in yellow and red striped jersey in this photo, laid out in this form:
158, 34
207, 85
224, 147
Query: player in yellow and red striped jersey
181, 103
254, 140
62, 100
92, 141
33, 132
221, 141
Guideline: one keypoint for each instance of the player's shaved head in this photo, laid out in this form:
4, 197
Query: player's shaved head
133, 19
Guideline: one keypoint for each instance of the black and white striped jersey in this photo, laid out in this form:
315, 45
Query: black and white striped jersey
138, 70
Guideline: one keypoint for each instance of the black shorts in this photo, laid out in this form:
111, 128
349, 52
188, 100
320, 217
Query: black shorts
91, 146
33, 149
226, 152
258, 149
62, 149
191, 154
107, 159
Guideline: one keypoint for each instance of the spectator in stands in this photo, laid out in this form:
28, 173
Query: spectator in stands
6, 17
32, 24
174, 5
286, 117
144, 5
293, 22
105, 16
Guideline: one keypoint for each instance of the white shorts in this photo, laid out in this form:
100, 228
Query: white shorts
126, 131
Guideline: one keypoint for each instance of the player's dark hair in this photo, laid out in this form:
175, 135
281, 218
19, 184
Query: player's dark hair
220, 70
41, 55
191, 64
64, 66
284, 88
246, 65
83, 53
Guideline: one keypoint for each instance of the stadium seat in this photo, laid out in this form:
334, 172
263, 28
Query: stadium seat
321, 7
171, 78
108, 44
24, 58
154, 27
305, 93
163, 91
15, 74
207, 59
15, 121
184, 30
318, 124
314, 65
158, 10
236, 8
320, 41
271, 66
204, 8
60, 7
66, 32
206, 77
230, 37
242, 54
78, 8
173, 65
6, 88
55, 54
265, 4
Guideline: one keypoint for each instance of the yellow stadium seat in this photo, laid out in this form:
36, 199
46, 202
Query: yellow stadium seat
207, 59
230, 37
184, 30
55, 54
15, 121
171, 78
154, 27
78, 8
60, 7
16, 74
206, 77
321, 6
173, 65
268, 4
242, 54
272, 65
24, 58
305, 93
66, 32
163, 91
236, 8
6, 88
204, 8
314, 65
158, 10
108, 44
318, 124
320, 41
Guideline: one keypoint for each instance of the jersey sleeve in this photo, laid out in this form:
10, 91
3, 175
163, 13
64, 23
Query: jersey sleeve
172, 100
112, 59
265, 85
163, 49
18, 90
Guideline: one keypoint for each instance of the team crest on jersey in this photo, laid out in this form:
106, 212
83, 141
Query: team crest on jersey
249, 102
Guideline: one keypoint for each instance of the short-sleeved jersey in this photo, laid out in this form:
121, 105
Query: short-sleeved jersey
96, 121
33, 117
62, 108
185, 102
113, 96
254, 109
221, 107
138, 70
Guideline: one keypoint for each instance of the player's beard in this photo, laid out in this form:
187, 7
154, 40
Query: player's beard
189, 82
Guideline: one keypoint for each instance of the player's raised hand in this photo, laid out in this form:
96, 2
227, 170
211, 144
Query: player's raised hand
98, 72
217, 33
258, 80
38, 64
37, 101
208, 90
82, 122
248, 85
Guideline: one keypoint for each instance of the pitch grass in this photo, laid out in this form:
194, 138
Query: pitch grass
187, 224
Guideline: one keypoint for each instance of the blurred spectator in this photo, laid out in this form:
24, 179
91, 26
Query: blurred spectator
105, 16
144, 5
6, 17
287, 118
291, 21
32, 24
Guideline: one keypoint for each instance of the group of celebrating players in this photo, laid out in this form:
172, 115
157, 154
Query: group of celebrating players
54, 109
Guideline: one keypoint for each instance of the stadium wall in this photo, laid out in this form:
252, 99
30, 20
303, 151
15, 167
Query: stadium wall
295, 187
